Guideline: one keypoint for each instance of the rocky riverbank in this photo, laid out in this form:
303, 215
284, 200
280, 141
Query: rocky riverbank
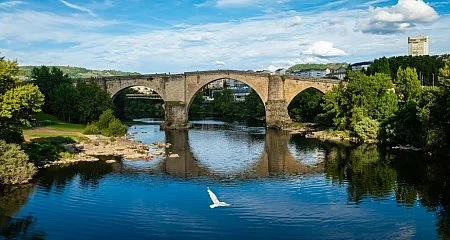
97, 147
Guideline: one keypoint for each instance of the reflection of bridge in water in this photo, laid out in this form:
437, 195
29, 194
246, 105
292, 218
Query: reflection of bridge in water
275, 159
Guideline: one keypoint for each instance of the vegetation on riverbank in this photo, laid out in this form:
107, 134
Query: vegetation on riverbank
373, 106
49, 137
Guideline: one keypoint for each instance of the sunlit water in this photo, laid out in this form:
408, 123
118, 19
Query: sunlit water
279, 187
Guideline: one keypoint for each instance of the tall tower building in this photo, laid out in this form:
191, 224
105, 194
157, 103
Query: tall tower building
418, 46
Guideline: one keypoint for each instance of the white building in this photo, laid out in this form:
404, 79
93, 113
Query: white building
340, 73
312, 73
418, 46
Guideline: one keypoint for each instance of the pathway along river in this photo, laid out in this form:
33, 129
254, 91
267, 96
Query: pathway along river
280, 187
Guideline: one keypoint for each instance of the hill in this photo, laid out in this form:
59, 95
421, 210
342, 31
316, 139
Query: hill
317, 66
77, 72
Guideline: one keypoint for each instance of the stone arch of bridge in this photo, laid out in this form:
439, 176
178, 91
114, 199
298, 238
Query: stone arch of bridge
260, 88
118, 86
291, 96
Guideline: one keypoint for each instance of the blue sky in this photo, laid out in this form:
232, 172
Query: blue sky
189, 35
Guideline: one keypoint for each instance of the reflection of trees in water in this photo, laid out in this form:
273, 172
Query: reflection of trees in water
365, 171
369, 172
21, 228
89, 175
11, 201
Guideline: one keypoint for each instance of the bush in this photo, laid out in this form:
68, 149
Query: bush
91, 129
367, 129
15, 167
104, 120
116, 128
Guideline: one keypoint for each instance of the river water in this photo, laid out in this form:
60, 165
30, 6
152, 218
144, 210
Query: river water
279, 187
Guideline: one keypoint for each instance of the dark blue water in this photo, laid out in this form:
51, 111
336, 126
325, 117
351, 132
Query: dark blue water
279, 187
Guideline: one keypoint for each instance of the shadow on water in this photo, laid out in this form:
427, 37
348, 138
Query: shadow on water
89, 175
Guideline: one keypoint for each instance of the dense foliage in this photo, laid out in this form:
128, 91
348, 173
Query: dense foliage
18, 102
225, 105
306, 106
426, 66
372, 107
15, 167
130, 108
107, 125
82, 103
362, 104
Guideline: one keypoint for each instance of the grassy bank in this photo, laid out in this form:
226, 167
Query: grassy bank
49, 126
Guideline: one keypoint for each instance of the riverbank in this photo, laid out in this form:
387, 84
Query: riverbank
96, 147
312, 130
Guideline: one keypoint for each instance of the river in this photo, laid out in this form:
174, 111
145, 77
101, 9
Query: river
279, 187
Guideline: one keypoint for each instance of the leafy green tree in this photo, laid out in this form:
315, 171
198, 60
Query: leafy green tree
48, 79
253, 104
92, 101
108, 125
379, 66
364, 98
18, 102
306, 106
407, 84
64, 102
367, 129
15, 167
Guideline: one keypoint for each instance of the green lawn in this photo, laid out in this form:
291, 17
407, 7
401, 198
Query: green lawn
50, 126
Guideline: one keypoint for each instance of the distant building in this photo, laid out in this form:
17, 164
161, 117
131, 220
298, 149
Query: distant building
360, 66
312, 73
418, 46
340, 73
218, 84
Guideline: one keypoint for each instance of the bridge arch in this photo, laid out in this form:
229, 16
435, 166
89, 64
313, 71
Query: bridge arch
115, 87
195, 82
191, 100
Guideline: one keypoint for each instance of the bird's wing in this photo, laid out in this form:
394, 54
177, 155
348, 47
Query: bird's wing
213, 197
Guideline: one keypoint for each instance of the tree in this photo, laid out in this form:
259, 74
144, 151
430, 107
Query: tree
364, 98
92, 101
15, 167
64, 101
407, 84
18, 103
48, 79
306, 105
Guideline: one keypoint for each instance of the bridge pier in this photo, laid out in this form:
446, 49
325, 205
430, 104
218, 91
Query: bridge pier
277, 115
176, 116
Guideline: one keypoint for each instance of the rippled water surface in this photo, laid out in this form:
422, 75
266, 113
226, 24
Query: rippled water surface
279, 187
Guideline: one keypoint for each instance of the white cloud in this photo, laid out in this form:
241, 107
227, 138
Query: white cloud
402, 16
220, 63
296, 20
10, 4
39, 38
77, 7
324, 49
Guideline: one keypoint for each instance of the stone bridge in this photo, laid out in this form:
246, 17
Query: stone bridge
179, 90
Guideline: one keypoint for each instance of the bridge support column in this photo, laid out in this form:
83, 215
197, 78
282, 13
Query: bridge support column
175, 116
277, 115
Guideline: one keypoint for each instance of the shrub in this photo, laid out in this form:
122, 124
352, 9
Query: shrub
104, 120
91, 129
367, 129
112, 139
15, 167
116, 128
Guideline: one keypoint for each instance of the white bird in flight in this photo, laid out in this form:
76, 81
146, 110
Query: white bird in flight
216, 202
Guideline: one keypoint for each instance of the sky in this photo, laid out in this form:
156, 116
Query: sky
156, 36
